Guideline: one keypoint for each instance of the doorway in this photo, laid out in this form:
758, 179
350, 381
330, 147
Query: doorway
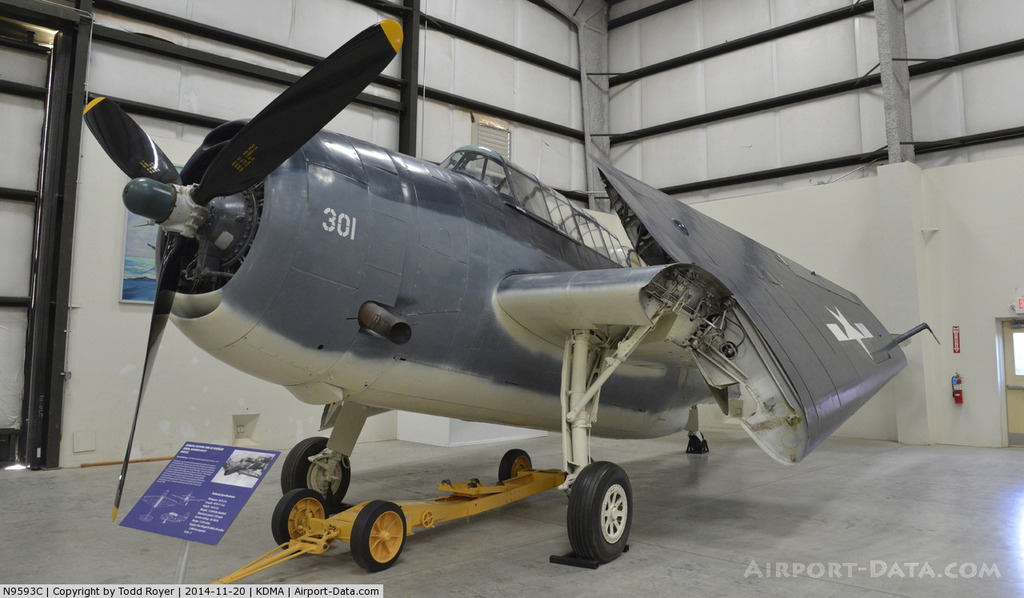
1013, 362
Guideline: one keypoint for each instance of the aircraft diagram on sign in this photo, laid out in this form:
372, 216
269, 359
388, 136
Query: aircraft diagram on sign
365, 280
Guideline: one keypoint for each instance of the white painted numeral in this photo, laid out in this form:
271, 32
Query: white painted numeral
341, 223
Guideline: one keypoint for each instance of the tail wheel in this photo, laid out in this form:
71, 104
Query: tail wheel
600, 512
512, 463
378, 535
293, 513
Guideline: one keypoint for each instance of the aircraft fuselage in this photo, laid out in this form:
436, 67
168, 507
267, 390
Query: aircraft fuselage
344, 222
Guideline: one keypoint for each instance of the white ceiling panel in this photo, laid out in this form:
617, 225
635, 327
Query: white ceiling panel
992, 94
494, 18
17, 231
267, 20
21, 120
484, 75
988, 22
816, 57
740, 145
542, 33
739, 77
726, 20
672, 95
820, 129
675, 32
125, 73
675, 158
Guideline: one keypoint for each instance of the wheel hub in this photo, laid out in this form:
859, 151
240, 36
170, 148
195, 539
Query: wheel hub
324, 474
614, 508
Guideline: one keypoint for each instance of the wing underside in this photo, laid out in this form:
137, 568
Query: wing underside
807, 352
824, 346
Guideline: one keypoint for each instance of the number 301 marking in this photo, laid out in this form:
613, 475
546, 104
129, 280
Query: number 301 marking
344, 225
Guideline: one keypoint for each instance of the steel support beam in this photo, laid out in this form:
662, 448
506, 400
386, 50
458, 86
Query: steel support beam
892, 52
920, 148
26, 195
46, 347
768, 35
870, 80
590, 19
230, 65
642, 13
408, 119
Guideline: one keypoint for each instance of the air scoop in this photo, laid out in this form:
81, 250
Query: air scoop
170, 206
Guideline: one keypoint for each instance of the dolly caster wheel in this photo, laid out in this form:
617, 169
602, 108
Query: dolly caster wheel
293, 512
378, 535
512, 463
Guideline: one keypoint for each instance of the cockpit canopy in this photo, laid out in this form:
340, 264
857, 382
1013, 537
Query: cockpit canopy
540, 201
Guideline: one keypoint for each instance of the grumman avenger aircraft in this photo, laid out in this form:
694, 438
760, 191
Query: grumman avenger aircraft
365, 280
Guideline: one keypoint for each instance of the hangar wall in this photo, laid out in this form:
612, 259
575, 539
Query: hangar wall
975, 98
459, 67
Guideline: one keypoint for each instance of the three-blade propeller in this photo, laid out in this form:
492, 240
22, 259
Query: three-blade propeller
256, 150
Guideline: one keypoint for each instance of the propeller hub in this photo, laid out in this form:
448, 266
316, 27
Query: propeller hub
170, 206
149, 199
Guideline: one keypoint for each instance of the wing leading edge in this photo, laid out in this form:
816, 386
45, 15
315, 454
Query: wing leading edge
823, 346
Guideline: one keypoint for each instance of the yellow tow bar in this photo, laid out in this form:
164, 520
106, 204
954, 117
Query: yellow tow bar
376, 530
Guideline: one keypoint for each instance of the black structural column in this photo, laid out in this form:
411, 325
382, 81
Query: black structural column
55, 212
407, 121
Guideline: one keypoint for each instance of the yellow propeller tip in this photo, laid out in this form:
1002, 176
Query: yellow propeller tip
394, 32
91, 104
113, 517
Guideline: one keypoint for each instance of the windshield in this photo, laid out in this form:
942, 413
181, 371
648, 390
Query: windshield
540, 200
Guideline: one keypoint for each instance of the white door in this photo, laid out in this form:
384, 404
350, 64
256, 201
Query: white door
1013, 351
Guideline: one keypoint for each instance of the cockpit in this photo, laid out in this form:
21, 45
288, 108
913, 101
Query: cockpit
539, 200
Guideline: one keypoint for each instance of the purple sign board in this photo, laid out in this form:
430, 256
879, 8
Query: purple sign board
200, 492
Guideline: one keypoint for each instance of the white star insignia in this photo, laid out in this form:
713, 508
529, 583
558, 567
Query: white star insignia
845, 331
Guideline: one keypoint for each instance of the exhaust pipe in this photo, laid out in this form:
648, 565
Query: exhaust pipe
384, 323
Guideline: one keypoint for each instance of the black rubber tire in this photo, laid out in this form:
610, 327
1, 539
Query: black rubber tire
369, 550
286, 525
512, 462
599, 531
295, 471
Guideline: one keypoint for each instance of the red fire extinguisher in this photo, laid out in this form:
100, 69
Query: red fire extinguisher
958, 389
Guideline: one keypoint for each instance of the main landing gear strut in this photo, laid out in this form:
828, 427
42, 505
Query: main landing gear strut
600, 497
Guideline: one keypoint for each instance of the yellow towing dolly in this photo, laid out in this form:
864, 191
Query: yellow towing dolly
376, 529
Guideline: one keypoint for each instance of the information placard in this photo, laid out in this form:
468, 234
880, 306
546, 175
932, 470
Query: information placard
200, 492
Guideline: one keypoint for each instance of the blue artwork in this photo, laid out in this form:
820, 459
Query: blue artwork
138, 278
200, 492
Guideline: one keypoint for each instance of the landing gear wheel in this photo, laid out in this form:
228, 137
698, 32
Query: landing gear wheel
600, 512
378, 535
329, 477
512, 463
698, 445
293, 512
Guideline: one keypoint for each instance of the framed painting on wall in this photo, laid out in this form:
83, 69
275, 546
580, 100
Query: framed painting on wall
138, 273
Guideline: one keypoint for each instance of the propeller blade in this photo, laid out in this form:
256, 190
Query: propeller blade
295, 116
167, 285
131, 149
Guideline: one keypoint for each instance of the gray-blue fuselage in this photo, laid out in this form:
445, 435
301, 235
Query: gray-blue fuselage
344, 222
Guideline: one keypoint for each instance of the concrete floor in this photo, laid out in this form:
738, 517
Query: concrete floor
866, 518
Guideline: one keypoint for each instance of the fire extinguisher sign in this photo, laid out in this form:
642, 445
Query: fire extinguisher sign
956, 339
